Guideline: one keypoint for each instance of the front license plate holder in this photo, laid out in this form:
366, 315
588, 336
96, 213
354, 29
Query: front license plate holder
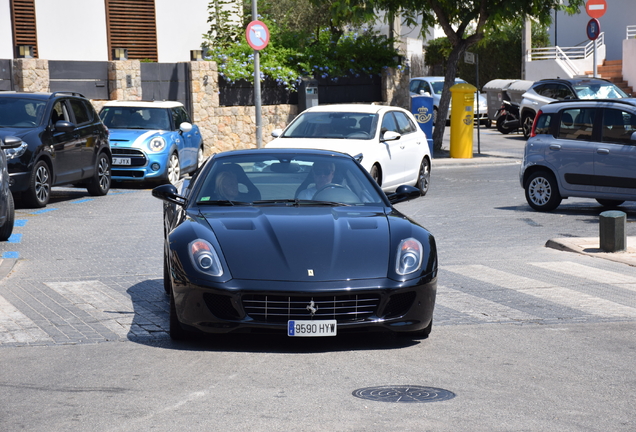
312, 328
121, 161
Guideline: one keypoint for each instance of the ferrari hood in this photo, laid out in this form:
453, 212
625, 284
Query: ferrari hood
303, 243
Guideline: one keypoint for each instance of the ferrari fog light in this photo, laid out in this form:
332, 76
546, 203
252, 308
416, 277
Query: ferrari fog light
155, 166
204, 258
409, 256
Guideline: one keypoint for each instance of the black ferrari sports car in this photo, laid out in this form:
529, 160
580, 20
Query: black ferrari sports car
296, 242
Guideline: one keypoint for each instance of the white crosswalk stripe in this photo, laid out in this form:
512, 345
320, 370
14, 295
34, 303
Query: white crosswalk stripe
545, 291
597, 275
113, 310
15, 327
477, 307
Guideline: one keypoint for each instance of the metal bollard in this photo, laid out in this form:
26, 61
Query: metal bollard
612, 231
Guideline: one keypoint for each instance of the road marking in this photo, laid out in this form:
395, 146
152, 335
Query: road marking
479, 308
15, 327
11, 255
15, 238
20, 222
545, 291
590, 273
44, 211
113, 310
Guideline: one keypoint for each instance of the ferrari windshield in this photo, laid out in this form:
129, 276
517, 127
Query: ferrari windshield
286, 179
343, 125
136, 118
598, 91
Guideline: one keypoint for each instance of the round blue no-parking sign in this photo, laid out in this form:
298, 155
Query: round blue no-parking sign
593, 29
257, 35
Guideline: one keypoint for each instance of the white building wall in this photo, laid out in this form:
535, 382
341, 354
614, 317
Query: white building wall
571, 30
6, 35
71, 29
180, 28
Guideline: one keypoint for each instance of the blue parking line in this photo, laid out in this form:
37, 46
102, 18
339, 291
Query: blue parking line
15, 238
44, 211
82, 201
9, 255
20, 222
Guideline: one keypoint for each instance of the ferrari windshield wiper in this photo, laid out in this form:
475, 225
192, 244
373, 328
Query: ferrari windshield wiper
222, 203
294, 201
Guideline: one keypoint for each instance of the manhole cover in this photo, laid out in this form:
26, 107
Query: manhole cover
409, 394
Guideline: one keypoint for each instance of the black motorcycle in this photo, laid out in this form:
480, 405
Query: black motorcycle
507, 117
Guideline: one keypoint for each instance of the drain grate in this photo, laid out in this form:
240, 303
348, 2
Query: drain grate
408, 394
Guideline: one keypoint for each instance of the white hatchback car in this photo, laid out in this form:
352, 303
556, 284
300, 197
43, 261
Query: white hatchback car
393, 147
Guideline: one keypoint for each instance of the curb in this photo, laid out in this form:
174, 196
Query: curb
590, 246
6, 265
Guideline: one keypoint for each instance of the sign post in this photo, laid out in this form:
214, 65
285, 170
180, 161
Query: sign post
257, 35
595, 9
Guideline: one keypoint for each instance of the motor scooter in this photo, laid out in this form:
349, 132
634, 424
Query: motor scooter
507, 117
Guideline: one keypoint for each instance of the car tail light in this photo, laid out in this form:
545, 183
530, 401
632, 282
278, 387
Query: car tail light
534, 124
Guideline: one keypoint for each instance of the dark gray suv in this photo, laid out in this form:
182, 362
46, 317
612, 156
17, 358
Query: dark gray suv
581, 149
63, 141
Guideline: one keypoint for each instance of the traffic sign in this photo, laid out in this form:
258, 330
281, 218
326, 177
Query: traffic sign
596, 8
593, 29
257, 35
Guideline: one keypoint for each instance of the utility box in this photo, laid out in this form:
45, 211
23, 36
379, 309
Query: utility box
307, 94
462, 117
422, 108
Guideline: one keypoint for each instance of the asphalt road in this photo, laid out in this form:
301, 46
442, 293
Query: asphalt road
525, 338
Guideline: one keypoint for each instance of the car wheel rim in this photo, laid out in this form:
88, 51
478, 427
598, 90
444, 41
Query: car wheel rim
540, 191
527, 126
425, 175
103, 174
42, 184
174, 172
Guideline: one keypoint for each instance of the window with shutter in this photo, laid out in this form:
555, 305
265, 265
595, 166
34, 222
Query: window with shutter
132, 25
24, 29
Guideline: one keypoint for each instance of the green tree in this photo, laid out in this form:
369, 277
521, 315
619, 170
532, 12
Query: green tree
465, 22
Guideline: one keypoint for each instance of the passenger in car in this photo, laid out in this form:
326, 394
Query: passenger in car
322, 173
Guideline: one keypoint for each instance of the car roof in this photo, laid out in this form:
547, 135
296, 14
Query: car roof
352, 108
557, 105
278, 151
573, 80
144, 104
435, 78
39, 95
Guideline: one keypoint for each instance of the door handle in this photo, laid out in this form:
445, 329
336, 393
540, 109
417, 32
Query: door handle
555, 147
602, 151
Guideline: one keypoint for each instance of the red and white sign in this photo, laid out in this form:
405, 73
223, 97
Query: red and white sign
257, 35
596, 8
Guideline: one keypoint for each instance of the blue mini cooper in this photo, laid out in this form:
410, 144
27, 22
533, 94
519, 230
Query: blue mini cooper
151, 141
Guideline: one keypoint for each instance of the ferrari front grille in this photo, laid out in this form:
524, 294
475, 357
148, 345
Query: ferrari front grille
278, 309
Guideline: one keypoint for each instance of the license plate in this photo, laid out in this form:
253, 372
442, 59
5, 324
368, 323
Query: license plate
121, 161
312, 328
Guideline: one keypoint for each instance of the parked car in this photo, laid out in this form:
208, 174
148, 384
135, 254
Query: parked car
388, 139
243, 253
152, 141
584, 149
63, 142
550, 90
434, 85
7, 207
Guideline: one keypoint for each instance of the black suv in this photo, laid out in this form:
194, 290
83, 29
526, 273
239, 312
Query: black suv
63, 141
550, 90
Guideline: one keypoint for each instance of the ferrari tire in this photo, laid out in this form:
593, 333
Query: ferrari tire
176, 330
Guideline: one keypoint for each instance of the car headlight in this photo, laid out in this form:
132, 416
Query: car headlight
409, 256
13, 153
204, 258
157, 144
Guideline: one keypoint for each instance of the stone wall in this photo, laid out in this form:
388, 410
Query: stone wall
222, 128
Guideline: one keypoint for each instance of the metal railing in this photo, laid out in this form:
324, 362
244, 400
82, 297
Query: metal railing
565, 55
631, 32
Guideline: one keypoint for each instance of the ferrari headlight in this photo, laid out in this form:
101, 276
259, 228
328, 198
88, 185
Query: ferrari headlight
409, 256
13, 153
157, 144
204, 258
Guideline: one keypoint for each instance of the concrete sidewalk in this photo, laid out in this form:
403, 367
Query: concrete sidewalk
591, 246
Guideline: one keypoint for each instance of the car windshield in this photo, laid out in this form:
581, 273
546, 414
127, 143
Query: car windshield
21, 113
598, 91
333, 125
135, 118
286, 180
438, 86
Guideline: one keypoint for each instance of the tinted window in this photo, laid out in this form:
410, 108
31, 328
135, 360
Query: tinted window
332, 125
389, 123
618, 126
577, 124
59, 112
20, 113
80, 111
135, 118
561, 92
404, 123
543, 124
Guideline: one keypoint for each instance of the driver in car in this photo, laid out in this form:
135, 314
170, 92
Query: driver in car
323, 175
